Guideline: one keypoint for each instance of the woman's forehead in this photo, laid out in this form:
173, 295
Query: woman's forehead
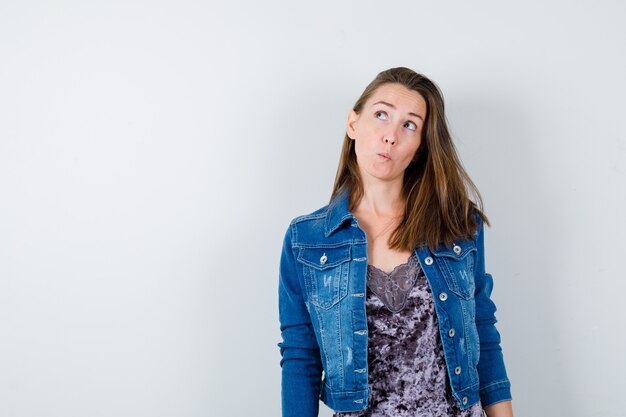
399, 96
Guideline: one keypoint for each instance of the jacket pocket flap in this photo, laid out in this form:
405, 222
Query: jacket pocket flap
458, 250
323, 258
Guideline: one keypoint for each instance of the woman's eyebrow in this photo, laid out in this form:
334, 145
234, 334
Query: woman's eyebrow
393, 107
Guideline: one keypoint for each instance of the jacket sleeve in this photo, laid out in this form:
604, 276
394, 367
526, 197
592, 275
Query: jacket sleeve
494, 383
301, 364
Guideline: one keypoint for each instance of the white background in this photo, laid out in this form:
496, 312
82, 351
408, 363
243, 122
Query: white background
153, 153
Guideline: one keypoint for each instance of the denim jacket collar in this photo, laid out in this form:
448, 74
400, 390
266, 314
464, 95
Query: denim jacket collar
338, 212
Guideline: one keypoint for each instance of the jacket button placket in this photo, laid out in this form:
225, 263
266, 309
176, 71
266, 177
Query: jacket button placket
360, 346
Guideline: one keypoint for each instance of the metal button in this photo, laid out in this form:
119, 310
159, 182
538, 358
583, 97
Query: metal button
457, 249
451, 332
323, 259
457, 370
464, 400
428, 260
443, 296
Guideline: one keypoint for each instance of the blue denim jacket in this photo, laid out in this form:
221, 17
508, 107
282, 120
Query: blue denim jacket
322, 287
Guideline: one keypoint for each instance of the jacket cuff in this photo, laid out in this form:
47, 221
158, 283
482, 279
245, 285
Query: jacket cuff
495, 392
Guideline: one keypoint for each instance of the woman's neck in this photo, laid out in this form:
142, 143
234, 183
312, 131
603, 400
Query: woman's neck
382, 200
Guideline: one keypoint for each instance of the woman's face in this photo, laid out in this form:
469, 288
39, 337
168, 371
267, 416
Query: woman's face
387, 132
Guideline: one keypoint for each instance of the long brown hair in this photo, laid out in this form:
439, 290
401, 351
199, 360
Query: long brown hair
438, 209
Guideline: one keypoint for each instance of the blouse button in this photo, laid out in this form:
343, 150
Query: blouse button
443, 296
457, 370
457, 249
451, 332
428, 260
323, 259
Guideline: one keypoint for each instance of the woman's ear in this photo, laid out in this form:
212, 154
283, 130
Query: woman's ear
352, 119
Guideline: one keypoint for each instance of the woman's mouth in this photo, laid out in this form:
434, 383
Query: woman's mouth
385, 156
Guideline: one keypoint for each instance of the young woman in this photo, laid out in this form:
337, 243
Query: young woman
384, 301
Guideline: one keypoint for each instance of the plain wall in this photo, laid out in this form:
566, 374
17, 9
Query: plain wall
153, 153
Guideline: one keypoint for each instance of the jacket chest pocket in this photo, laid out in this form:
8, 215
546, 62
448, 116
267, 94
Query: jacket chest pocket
457, 267
325, 272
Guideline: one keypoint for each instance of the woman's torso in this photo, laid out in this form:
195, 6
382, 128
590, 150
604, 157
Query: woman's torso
329, 254
407, 370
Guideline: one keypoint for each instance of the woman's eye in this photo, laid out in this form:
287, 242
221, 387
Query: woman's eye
383, 113
411, 125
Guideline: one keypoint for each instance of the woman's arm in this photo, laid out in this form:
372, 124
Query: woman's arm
301, 362
501, 409
495, 386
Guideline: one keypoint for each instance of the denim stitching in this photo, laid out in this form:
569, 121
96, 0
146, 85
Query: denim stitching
323, 245
304, 217
446, 272
323, 337
336, 296
338, 330
328, 232
503, 382
294, 233
466, 331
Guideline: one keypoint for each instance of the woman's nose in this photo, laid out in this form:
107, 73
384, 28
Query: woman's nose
391, 135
